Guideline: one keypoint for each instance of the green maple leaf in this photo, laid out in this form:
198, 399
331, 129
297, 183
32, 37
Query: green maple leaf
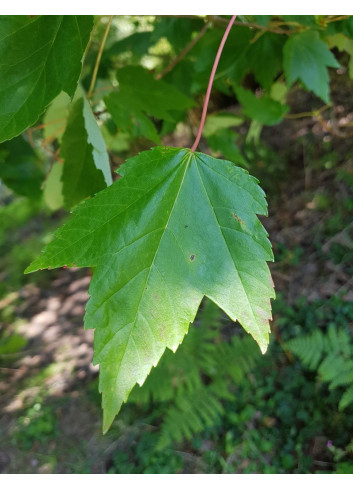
265, 56
265, 109
86, 161
176, 227
20, 168
40, 56
127, 117
141, 95
155, 97
306, 58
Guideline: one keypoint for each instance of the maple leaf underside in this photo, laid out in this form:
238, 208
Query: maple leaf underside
177, 227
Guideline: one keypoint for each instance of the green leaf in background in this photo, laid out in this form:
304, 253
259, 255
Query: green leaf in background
176, 227
279, 92
234, 60
308, 20
344, 26
115, 140
254, 133
263, 20
265, 56
178, 31
12, 344
20, 168
224, 142
129, 118
343, 43
155, 97
222, 139
217, 122
138, 43
55, 117
264, 109
86, 161
140, 96
306, 58
53, 187
40, 57
242, 53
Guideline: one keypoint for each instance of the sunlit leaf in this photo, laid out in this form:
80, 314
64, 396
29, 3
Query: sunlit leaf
176, 227
306, 58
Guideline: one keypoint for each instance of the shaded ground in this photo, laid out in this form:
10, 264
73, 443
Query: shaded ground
55, 364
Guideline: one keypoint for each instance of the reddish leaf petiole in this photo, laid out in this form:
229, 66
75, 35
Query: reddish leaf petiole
210, 83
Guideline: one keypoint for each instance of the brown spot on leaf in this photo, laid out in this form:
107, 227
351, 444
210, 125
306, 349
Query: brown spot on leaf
192, 257
238, 218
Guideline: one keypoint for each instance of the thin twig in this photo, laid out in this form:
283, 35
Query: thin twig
274, 26
30, 137
210, 83
313, 113
46, 124
184, 52
53, 153
336, 18
96, 66
316, 114
220, 20
332, 129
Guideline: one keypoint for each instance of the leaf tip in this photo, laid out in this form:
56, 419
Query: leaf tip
107, 422
30, 269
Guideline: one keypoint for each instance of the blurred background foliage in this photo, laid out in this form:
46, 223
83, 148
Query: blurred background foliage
282, 108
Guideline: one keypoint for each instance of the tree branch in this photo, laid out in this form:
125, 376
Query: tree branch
96, 66
184, 52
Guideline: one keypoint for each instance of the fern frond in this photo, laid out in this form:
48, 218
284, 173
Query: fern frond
346, 399
337, 370
309, 348
336, 366
190, 415
236, 358
338, 341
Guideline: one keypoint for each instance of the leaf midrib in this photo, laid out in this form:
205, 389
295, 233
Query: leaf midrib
149, 272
